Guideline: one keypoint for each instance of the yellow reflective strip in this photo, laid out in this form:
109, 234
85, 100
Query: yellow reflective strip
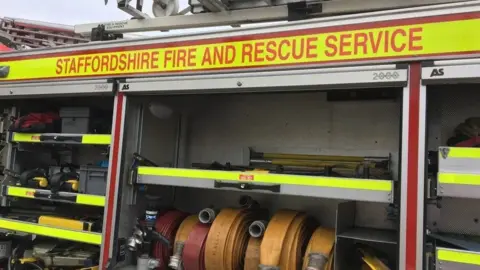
78, 236
96, 139
458, 256
459, 178
91, 200
319, 181
25, 137
463, 152
21, 192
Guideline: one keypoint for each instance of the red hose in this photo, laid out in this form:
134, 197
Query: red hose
167, 225
194, 250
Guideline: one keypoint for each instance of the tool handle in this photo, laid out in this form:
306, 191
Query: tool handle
60, 138
247, 186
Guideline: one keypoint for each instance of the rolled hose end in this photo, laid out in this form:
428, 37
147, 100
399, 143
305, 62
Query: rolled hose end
207, 215
316, 261
257, 228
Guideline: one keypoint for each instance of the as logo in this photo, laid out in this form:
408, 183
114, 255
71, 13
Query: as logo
126, 87
437, 72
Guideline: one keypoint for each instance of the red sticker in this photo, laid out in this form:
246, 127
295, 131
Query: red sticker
30, 193
35, 138
246, 177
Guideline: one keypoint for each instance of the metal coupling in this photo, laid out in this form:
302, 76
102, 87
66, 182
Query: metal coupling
316, 261
207, 215
268, 267
144, 262
257, 228
176, 259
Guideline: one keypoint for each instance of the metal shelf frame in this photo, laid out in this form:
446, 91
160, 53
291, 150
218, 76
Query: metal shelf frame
66, 197
61, 138
312, 186
66, 234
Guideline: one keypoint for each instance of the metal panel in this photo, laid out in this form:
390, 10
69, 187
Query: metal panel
452, 72
328, 78
452, 259
287, 189
78, 87
459, 173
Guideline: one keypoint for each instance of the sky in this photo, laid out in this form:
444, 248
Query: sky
69, 11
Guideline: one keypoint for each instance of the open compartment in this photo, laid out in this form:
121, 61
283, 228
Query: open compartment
306, 149
453, 158
55, 159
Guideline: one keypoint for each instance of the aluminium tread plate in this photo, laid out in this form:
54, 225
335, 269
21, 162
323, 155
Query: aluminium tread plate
454, 259
312, 186
59, 138
60, 233
68, 197
459, 172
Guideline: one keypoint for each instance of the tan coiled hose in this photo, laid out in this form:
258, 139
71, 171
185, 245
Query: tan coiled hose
252, 255
319, 252
182, 234
285, 240
227, 239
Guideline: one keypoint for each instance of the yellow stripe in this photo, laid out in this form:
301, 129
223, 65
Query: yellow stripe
91, 200
458, 256
459, 178
318, 181
463, 152
25, 137
86, 199
78, 236
96, 139
21, 192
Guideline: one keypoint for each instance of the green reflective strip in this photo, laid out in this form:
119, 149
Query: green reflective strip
27, 227
459, 179
463, 152
25, 137
318, 181
21, 192
90, 200
96, 139
458, 256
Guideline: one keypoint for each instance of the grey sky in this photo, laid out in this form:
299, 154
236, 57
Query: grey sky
68, 11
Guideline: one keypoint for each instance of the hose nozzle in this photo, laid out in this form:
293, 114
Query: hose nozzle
257, 228
176, 259
207, 215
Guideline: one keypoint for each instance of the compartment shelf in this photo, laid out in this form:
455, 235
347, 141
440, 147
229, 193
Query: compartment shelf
66, 234
370, 235
450, 259
311, 186
459, 172
61, 138
67, 197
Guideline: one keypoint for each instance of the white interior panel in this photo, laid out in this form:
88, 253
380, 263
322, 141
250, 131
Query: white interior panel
448, 106
292, 123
